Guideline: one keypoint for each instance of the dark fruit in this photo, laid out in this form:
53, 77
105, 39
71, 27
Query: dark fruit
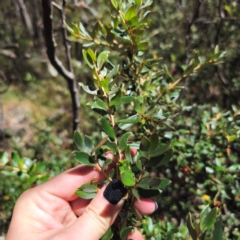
114, 191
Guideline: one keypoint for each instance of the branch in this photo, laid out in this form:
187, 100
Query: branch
51, 52
190, 23
25, 16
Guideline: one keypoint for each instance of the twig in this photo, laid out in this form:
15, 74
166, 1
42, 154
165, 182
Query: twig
51, 52
188, 33
220, 75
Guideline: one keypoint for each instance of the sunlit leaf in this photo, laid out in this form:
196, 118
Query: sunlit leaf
127, 176
209, 219
102, 58
115, 3
4, 158
92, 54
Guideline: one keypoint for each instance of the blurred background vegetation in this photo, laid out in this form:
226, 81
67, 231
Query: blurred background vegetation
36, 116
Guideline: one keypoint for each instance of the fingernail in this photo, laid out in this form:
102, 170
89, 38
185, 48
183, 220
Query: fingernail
114, 191
156, 205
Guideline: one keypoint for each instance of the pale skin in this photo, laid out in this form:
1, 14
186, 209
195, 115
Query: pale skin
52, 210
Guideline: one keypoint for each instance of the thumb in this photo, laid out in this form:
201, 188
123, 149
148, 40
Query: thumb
98, 216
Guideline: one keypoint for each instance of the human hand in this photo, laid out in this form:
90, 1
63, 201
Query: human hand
52, 210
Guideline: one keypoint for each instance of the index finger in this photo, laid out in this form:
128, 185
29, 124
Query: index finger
65, 184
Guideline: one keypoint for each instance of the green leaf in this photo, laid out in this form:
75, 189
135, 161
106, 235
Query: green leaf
83, 31
4, 158
131, 12
147, 3
102, 58
127, 176
124, 232
135, 193
106, 163
142, 46
92, 54
145, 144
218, 230
209, 219
157, 161
164, 183
126, 99
84, 158
149, 183
17, 161
128, 155
123, 140
144, 193
69, 29
115, 3
154, 142
191, 229
159, 151
138, 2
99, 104
87, 58
108, 128
115, 99
132, 119
113, 72
112, 146
32, 179
79, 141
168, 73
87, 90
109, 234
88, 144
153, 183
87, 191
204, 212
170, 233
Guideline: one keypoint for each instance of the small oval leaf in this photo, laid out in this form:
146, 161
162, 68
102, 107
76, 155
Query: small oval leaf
159, 151
123, 140
209, 219
79, 141
84, 158
107, 128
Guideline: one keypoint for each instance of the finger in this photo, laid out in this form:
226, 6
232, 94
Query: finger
78, 205
135, 235
98, 216
65, 184
145, 206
